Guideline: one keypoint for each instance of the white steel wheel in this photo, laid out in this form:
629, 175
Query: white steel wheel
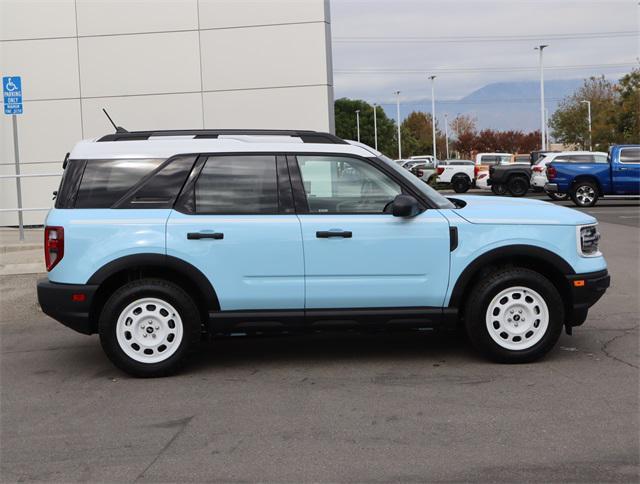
149, 330
585, 194
517, 318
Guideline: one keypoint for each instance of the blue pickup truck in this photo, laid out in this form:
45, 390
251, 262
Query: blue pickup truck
587, 182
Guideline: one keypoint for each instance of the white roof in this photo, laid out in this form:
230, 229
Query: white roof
167, 146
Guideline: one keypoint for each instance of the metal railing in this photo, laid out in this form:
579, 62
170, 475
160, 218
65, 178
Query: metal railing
20, 209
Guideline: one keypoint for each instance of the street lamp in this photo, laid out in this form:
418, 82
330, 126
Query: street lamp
433, 115
375, 126
446, 133
397, 93
588, 103
542, 120
358, 123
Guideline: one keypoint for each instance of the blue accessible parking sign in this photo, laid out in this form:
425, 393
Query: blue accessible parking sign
12, 94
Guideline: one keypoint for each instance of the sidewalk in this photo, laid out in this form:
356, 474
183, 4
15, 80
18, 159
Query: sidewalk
21, 257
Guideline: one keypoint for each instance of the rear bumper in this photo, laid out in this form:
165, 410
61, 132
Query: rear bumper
551, 188
57, 300
586, 290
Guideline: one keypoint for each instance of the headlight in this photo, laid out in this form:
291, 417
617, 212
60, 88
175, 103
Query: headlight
588, 240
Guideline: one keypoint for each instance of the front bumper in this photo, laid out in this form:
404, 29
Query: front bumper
551, 188
586, 290
70, 304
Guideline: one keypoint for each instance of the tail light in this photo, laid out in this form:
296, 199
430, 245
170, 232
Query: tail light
551, 172
53, 246
419, 173
440, 170
537, 169
476, 170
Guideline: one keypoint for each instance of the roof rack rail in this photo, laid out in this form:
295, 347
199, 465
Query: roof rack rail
305, 135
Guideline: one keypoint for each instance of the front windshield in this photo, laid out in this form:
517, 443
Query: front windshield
433, 195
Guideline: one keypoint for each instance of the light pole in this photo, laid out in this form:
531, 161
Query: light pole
398, 117
542, 120
588, 103
433, 115
358, 123
546, 127
446, 133
375, 126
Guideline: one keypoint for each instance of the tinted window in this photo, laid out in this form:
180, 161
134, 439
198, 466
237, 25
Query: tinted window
104, 182
69, 183
161, 189
630, 155
237, 184
345, 185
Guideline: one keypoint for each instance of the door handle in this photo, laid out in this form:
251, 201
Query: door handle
205, 235
325, 234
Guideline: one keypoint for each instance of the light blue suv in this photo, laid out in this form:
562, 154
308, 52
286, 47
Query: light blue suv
159, 239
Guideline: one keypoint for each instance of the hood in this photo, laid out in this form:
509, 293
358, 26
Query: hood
518, 211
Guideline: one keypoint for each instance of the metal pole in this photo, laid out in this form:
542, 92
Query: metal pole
358, 123
546, 127
542, 120
375, 126
446, 133
398, 116
433, 115
588, 103
16, 154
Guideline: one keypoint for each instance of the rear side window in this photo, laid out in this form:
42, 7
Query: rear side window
104, 182
69, 184
630, 155
237, 184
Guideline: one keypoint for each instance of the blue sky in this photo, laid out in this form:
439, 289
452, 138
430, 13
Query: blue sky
499, 40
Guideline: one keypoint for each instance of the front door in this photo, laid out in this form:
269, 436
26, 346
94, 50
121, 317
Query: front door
357, 255
238, 227
626, 172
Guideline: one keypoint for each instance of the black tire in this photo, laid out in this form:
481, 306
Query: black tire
518, 186
481, 297
585, 194
499, 189
149, 288
461, 184
558, 196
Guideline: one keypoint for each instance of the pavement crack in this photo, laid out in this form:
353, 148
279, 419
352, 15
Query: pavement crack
182, 425
605, 350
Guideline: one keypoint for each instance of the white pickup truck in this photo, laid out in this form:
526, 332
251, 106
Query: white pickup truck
460, 174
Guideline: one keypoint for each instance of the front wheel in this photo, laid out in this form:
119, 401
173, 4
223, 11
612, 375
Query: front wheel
147, 327
514, 315
461, 184
584, 194
558, 196
518, 186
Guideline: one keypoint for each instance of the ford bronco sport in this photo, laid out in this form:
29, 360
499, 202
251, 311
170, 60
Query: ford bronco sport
159, 239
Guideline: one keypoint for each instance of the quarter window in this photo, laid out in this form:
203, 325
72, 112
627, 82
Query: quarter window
345, 185
237, 184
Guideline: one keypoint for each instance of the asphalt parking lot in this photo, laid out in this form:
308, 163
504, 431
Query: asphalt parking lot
373, 408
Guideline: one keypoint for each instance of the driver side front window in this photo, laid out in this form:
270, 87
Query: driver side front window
345, 185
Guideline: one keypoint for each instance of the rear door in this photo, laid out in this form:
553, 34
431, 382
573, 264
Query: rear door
236, 223
626, 171
357, 255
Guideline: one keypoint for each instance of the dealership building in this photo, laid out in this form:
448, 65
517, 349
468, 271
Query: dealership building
154, 64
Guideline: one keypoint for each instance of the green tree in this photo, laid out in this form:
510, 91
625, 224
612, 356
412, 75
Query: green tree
417, 135
345, 118
570, 123
628, 122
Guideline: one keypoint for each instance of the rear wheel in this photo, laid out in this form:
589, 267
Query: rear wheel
461, 184
584, 194
499, 188
514, 315
148, 327
518, 186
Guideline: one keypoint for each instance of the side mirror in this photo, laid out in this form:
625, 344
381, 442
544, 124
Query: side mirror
405, 206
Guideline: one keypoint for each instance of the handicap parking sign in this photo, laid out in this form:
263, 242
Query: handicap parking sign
12, 94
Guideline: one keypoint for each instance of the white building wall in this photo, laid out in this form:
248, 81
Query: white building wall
156, 64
